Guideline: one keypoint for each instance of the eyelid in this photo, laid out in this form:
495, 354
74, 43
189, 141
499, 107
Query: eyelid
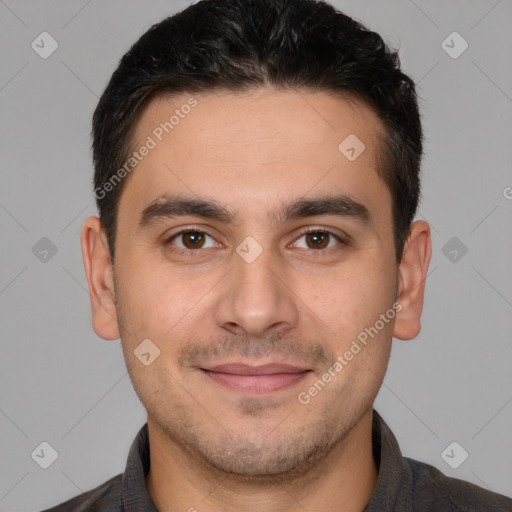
321, 229
187, 229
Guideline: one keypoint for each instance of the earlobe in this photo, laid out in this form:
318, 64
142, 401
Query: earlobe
99, 272
412, 274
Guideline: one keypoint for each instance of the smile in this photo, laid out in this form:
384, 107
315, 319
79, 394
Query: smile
255, 379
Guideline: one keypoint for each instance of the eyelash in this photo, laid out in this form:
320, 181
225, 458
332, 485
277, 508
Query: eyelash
197, 252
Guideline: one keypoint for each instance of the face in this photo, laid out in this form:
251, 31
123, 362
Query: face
254, 299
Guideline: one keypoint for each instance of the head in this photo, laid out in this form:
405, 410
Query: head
248, 123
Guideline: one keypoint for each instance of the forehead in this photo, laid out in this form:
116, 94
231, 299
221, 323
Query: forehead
227, 121
246, 147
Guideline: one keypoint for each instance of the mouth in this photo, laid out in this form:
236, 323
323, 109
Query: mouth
255, 379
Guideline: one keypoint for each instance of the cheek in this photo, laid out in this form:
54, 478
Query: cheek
351, 298
146, 299
167, 303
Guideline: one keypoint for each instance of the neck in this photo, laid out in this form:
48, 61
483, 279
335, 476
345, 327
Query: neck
343, 480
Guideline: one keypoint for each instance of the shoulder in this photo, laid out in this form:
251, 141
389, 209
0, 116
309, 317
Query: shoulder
433, 490
106, 496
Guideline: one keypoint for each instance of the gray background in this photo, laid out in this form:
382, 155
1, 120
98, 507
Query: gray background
60, 383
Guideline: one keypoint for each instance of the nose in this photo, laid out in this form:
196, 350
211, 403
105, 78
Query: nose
256, 298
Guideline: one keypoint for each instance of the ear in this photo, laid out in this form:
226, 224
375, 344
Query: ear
100, 278
412, 274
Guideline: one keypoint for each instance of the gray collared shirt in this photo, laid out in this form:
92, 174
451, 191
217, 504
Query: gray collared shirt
403, 484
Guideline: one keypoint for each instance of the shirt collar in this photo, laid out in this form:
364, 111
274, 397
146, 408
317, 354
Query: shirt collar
393, 477
134, 493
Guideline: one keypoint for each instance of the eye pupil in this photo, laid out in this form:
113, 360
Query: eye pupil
318, 238
195, 238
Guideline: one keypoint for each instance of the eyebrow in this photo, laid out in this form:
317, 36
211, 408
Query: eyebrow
166, 206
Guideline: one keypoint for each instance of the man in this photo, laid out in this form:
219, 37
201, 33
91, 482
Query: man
257, 176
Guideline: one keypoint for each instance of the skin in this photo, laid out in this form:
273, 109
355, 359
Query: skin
213, 448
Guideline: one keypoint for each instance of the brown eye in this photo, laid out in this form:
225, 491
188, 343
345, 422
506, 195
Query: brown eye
191, 239
317, 240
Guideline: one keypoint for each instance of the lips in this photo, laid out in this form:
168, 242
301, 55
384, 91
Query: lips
255, 379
